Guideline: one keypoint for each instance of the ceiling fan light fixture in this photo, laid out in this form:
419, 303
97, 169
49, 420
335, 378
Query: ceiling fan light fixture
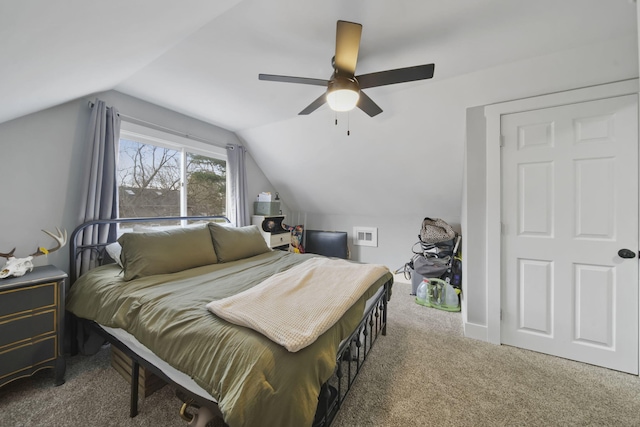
343, 94
343, 88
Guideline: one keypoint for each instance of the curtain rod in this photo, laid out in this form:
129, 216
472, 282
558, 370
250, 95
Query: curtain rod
135, 120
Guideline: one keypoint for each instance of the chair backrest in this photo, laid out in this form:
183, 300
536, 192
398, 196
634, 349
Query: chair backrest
327, 243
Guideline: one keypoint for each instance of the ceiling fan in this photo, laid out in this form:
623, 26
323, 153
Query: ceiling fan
344, 88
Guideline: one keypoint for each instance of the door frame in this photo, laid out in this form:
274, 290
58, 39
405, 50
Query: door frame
493, 114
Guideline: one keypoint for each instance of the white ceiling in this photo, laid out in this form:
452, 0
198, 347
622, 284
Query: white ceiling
202, 58
213, 73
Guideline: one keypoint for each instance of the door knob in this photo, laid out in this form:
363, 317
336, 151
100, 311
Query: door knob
626, 253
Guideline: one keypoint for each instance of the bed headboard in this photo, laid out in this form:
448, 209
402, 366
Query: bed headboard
97, 250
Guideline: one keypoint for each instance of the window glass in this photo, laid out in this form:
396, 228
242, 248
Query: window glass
155, 180
206, 185
148, 180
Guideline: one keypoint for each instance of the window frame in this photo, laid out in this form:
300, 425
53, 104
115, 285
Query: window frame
184, 144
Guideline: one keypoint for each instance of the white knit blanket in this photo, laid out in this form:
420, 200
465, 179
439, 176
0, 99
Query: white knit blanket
293, 308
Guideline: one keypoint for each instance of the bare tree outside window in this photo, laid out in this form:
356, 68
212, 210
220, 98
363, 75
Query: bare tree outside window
150, 179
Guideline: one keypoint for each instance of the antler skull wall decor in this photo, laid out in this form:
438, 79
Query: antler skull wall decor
17, 267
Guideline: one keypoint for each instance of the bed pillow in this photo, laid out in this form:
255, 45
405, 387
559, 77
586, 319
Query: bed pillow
170, 251
114, 249
233, 243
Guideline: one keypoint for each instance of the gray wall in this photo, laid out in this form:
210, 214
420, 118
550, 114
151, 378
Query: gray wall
396, 234
41, 168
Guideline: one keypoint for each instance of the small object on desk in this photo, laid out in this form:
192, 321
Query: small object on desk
32, 324
264, 197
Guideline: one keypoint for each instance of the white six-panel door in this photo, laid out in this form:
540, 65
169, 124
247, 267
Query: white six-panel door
569, 204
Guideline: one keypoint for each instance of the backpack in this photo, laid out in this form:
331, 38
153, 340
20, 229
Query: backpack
435, 231
430, 266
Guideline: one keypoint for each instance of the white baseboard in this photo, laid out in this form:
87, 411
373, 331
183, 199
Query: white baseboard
475, 331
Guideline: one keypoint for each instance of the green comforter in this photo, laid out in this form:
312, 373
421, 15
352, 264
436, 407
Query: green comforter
255, 381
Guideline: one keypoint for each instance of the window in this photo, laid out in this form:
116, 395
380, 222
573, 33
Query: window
161, 174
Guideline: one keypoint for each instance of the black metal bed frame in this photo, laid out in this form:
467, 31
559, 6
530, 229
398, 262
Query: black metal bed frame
352, 353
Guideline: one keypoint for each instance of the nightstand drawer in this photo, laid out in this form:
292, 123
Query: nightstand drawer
280, 239
27, 327
26, 356
15, 301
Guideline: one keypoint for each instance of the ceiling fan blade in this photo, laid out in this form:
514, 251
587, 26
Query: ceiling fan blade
347, 46
367, 105
289, 79
400, 75
314, 105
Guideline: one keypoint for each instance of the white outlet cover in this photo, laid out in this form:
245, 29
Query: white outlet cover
365, 236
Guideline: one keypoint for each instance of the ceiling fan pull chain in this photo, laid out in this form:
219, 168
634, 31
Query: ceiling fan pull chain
348, 124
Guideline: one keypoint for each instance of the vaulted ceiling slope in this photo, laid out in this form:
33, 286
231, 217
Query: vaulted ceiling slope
202, 58
55, 51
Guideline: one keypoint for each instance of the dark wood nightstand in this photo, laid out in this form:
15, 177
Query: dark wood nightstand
32, 324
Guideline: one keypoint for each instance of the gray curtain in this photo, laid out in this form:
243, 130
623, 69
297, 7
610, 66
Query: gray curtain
100, 188
237, 193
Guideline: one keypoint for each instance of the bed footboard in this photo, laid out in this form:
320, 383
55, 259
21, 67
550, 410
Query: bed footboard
351, 356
